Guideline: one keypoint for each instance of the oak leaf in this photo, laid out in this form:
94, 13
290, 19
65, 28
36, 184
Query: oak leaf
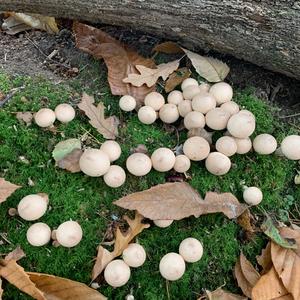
176, 78
220, 294
6, 189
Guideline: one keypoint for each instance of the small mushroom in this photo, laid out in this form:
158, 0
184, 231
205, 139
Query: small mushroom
204, 87
191, 91
182, 163
154, 100
127, 103
217, 118
138, 164
231, 107
264, 144
226, 145
172, 266
112, 149
45, 117
117, 273
147, 115
175, 97
222, 92
115, 176
163, 159
188, 82
169, 113
217, 163
134, 255
252, 195
194, 119
196, 148
184, 107
38, 234
203, 102
64, 113
191, 250
69, 234
162, 223
243, 145
290, 147
241, 125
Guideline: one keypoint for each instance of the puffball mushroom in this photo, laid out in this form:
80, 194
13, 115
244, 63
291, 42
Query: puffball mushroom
290, 147
190, 91
264, 144
252, 195
32, 207
162, 223
112, 149
134, 255
217, 163
231, 107
188, 82
38, 234
163, 159
117, 273
191, 250
94, 162
69, 234
194, 119
154, 100
147, 115
172, 266
182, 163
204, 87
203, 102
175, 97
217, 118
45, 117
196, 148
226, 145
241, 125
184, 107
64, 113
138, 164
115, 176
222, 92
127, 103
243, 145
169, 113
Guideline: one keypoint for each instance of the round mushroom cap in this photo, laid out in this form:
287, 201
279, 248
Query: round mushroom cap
217, 118
241, 125
184, 107
217, 163
32, 207
117, 273
169, 113
204, 87
194, 119
243, 145
147, 115
182, 163
134, 255
231, 107
191, 250
115, 176
69, 234
64, 113
188, 82
222, 92
196, 148
247, 113
252, 195
138, 164
290, 147
163, 159
127, 103
38, 234
94, 162
226, 145
172, 266
264, 144
203, 102
191, 91
45, 117
175, 97
162, 223
112, 149
154, 100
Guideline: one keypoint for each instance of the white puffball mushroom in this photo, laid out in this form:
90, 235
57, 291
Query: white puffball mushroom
264, 144
222, 92
243, 145
204, 87
112, 149
194, 119
191, 91
196, 148
203, 102
115, 176
127, 103
69, 234
184, 107
32, 207
38, 234
147, 115
94, 162
217, 118
290, 147
172, 266
154, 100
162, 223
138, 164
45, 117
117, 273
163, 159
252, 195
217, 163
241, 125
175, 97
64, 113
191, 250
182, 163
231, 107
188, 82
226, 145
169, 113
134, 255
247, 113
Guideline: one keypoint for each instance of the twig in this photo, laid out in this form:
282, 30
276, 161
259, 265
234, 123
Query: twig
290, 116
3, 236
10, 95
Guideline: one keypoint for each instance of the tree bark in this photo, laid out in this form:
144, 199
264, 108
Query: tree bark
264, 32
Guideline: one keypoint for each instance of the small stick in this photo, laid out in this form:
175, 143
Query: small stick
10, 95
290, 116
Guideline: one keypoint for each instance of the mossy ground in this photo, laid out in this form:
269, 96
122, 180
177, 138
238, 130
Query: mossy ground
89, 200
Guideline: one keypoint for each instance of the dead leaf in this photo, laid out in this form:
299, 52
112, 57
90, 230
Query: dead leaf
71, 161
244, 220
121, 242
176, 78
264, 260
108, 127
65, 147
1, 290
175, 201
150, 76
220, 294
25, 116
168, 47
119, 59
16, 254
6, 189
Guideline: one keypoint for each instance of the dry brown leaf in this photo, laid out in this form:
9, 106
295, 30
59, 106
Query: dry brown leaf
244, 220
121, 242
1, 290
119, 59
150, 76
264, 260
6, 189
176, 78
220, 294
16, 254
175, 201
108, 127
25, 116
71, 161
168, 47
